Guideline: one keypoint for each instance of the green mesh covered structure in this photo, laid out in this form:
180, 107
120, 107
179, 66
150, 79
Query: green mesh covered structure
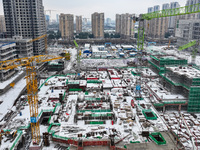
194, 99
159, 62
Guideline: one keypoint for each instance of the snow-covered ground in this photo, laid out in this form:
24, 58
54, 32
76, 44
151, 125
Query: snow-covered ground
10, 96
7, 82
129, 120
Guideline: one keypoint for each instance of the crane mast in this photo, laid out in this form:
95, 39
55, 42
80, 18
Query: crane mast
195, 8
31, 85
32, 89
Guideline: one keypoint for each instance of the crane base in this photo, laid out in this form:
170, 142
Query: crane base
35, 147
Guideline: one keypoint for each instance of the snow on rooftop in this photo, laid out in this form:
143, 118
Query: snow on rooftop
190, 72
164, 94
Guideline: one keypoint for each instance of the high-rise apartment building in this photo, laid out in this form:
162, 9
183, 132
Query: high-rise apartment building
153, 26
125, 25
98, 25
188, 27
47, 17
78, 24
108, 21
159, 27
26, 18
150, 10
193, 15
84, 21
164, 22
2, 24
66, 26
57, 18
172, 19
156, 8
118, 23
165, 6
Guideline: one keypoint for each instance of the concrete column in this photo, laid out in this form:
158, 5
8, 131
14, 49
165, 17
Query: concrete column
163, 109
179, 108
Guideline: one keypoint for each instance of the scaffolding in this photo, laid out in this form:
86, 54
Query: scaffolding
194, 100
158, 62
183, 84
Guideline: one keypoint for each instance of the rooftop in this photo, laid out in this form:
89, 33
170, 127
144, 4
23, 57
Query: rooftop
2, 44
190, 72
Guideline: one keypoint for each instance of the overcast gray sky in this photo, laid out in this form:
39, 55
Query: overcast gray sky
109, 7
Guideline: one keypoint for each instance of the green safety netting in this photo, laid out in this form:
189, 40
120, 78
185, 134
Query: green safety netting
97, 122
154, 57
134, 141
92, 99
161, 70
158, 104
52, 77
74, 90
168, 103
194, 100
73, 82
196, 82
149, 114
101, 115
98, 110
139, 98
175, 84
135, 74
157, 138
94, 81
174, 102
169, 61
57, 104
19, 134
129, 67
53, 132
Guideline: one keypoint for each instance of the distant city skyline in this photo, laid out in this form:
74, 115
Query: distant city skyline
110, 8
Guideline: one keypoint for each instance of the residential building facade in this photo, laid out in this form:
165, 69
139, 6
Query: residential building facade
98, 25
187, 31
161, 27
78, 24
7, 52
125, 25
26, 18
24, 48
172, 19
193, 15
2, 24
66, 26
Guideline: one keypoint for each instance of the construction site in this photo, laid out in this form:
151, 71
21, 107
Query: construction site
107, 97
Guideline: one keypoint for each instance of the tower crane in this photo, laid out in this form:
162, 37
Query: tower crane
195, 8
194, 52
78, 56
32, 86
40, 37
